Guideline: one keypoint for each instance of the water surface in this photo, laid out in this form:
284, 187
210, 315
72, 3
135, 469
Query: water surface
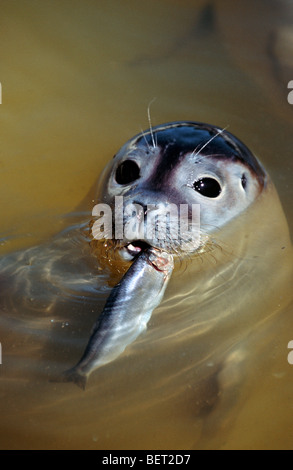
77, 78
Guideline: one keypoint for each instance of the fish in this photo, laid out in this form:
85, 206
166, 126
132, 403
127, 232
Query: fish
126, 314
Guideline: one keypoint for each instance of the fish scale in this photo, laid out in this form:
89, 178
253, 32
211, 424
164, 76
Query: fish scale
126, 313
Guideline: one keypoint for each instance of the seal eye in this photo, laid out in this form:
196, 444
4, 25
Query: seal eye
208, 187
127, 172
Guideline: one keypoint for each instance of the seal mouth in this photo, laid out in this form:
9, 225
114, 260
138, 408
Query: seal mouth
133, 249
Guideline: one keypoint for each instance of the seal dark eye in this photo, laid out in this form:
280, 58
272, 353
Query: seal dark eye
208, 187
127, 172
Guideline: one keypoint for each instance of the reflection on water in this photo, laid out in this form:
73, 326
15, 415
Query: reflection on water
77, 78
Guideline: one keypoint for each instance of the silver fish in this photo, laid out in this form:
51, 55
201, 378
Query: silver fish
126, 313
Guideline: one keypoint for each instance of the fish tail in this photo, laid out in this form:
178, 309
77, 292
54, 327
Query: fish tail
72, 375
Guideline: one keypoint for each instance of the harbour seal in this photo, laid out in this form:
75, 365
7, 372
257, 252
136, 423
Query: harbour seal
183, 163
210, 332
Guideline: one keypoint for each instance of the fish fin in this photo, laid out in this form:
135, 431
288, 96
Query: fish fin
72, 375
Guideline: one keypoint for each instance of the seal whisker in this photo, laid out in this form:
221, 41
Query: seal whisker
219, 132
150, 124
145, 139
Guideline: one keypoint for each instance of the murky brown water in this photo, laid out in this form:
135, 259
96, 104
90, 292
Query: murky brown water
77, 78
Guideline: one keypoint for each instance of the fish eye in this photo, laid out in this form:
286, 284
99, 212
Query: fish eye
127, 172
208, 187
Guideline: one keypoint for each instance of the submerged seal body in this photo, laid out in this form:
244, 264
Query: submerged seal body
194, 365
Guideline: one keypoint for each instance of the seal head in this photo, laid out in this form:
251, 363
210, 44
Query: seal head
181, 163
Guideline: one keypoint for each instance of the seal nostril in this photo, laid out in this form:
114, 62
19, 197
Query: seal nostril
244, 181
